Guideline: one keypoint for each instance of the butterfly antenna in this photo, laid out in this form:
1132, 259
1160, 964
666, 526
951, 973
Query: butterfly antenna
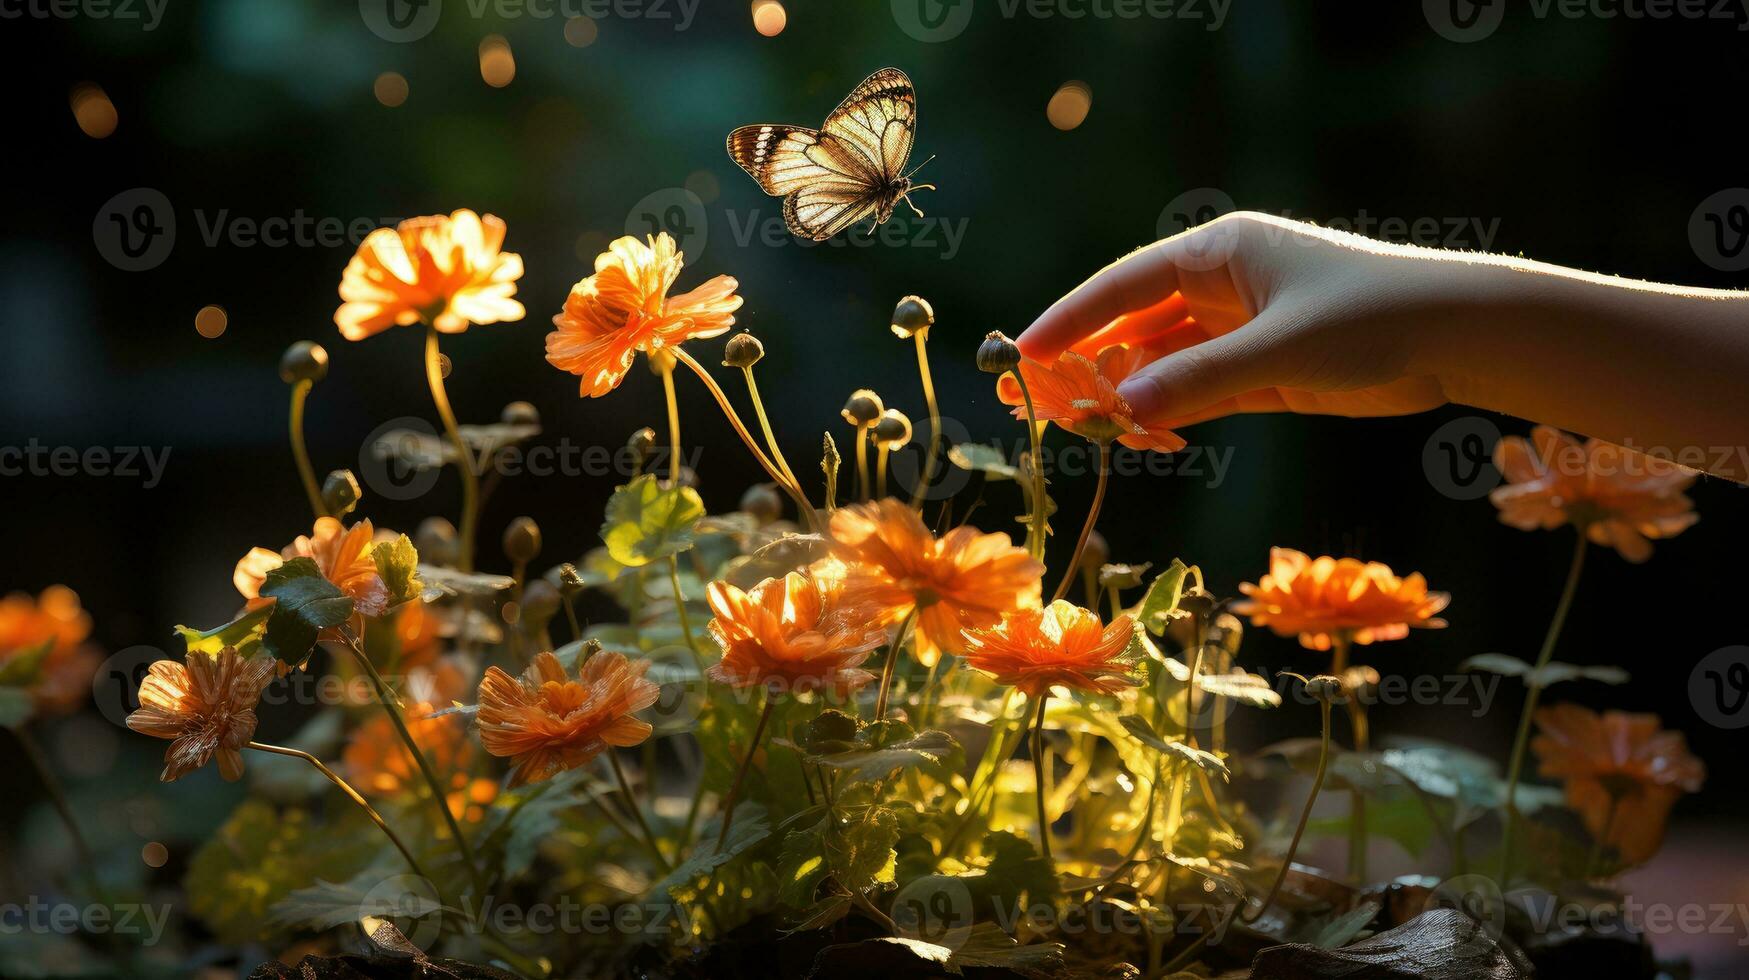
921, 166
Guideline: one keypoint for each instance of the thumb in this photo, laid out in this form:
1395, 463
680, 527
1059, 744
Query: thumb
1197, 377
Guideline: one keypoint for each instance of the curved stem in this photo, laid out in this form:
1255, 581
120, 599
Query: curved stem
1534, 693
862, 462
1038, 774
1035, 534
1092, 518
625, 788
685, 620
1305, 815
1357, 832
58, 796
352, 794
892, 664
795, 491
881, 471
390, 703
673, 426
741, 773
464, 456
922, 490
765, 427
301, 453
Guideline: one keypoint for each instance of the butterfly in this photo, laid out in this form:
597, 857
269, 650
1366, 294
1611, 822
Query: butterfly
849, 169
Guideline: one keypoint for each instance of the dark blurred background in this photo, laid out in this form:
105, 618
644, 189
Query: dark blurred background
1596, 142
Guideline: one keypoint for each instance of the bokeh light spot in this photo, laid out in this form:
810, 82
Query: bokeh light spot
769, 17
155, 855
92, 110
211, 322
390, 88
1068, 108
581, 32
497, 64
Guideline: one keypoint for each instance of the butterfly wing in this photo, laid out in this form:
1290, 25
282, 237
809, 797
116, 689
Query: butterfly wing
821, 210
878, 122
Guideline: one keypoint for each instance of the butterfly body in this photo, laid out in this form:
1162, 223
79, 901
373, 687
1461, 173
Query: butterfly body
851, 168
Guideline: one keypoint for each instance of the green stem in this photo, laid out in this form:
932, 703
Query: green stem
917, 495
891, 665
464, 456
789, 486
391, 706
1357, 831
58, 796
673, 424
1534, 693
741, 773
300, 452
625, 789
1038, 773
351, 794
862, 463
1092, 519
765, 427
685, 620
1035, 533
1293, 846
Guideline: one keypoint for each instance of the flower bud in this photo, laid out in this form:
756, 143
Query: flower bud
892, 429
1324, 688
762, 503
522, 540
303, 361
340, 493
997, 354
863, 408
435, 541
641, 442
743, 351
570, 580
913, 316
520, 413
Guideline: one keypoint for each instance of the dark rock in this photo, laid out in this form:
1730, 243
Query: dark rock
1442, 944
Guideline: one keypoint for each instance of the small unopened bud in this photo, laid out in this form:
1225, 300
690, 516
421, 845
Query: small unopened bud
641, 442
1097, 552
892, 430
522, 540
997, 354
570, 580
863, 408
913, 316
340, 493
520, 413
303, 361
1325, 688
743, 351
435, 541
762, 503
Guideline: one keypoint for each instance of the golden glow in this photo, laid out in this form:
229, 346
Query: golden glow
1068, 108
155, 855
390, 88
211, 322
769, 17
92, 110
581, 32
497, 64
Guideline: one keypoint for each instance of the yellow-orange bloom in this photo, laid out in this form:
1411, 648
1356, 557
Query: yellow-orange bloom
1615, 496
55, 619
792, 634
964, 579
625, 308
1061, 645
1323, 599
548, 723
1622, 773
342, 554
377, 760
206, 706
1080, 394
447, 271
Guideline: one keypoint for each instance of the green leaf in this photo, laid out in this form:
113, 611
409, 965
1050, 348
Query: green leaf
801, 866
377, 892
988, 459
398, 565
1547, 675
859, 848
305, 603
1161, 602
24, 668
1341, 930
1496, 663
646, 521
823, 913
988, 946
1246, 688
440, 581
16, 707
1207, 761
1014, 878
242, 634
890, 746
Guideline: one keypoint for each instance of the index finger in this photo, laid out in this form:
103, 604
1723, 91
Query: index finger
1135, 282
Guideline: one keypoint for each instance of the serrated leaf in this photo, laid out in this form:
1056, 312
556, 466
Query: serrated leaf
987, 459
398, 565
890, 746
16, 707
1207, 761
305, 604
800, 866
440, 581
242, 634
327, 904
859, 848
646, 521
1163, 597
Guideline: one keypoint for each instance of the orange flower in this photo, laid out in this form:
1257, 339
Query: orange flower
549, 723
1324, 599
61, 681
964, 579
445, 271
1622, 773
625, 308
377, 759
1062, 644
1615, 496
792, 634
206, 705
343, 555
1081, 396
